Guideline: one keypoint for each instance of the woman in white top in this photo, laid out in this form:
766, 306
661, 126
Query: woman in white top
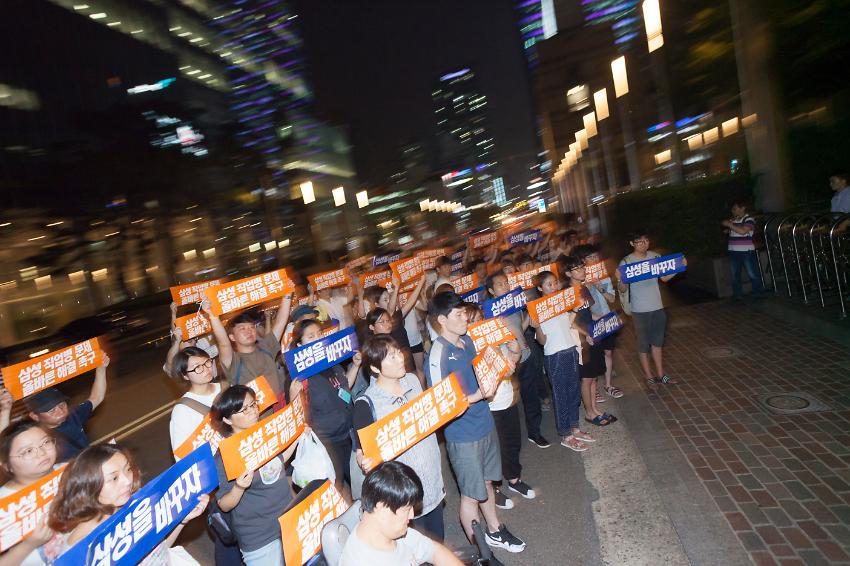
192, 366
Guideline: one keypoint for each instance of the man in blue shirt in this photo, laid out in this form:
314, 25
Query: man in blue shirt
841, 200
471, 440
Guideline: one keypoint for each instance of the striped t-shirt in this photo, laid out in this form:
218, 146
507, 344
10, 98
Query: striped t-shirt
742, 242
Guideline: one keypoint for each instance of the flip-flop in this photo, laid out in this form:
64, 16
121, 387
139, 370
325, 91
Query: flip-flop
610, 418
581, 447
598, 420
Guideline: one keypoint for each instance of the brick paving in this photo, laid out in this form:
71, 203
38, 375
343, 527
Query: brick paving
781, 481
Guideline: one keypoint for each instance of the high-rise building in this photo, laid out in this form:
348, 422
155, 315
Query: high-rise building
623, 17
537, 21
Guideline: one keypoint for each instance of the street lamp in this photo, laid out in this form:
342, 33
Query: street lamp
621, 81
362, 199
307, 192
600, 102
590, 124
339, 196
652, 20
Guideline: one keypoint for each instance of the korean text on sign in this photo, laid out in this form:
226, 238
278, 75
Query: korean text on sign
380, 278
490, 332
31, 376
550, 306
380, 260
595, 272
524, 237
605, 326
475, 296
329, 279
301, 526
483, 240
205, 433
407, 269
465, 283
525, 279
21, 511
506, 305
392, 435
247, 292
310, 359
429, 257
149, 516
490, 368
253, 447
194, 325
191, 293
360, 261
652, 268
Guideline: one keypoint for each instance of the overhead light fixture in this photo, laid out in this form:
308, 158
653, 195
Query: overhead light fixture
339, 196
307, 192
362, 199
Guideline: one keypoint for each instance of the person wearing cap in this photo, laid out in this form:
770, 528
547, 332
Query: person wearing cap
49, 408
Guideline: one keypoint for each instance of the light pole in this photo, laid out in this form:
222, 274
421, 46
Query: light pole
621, 89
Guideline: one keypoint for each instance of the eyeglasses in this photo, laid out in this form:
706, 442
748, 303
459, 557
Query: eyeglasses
32, 452
197, 369
249, 406
641, 241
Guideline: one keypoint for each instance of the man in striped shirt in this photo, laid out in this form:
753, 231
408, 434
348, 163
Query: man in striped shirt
742, 251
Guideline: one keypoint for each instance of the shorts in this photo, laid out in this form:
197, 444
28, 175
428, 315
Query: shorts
474, 463
610, 343
418, 348
650, 328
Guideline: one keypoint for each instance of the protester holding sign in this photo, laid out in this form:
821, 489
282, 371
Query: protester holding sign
27, 455
648, 311
471, 440
192, 366
254, 500
393, 387
50, 408
391, 494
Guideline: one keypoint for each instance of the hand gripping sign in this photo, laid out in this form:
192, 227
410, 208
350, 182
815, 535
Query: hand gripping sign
652, 268
490, 332
465, 283
506, 305
310, 359
237, 295
204, 432
392, 435
301, 526
150, 515
550, 306
253, 447
379, 277
192, 292
490, 368
31, 376
407, 269
595, 272
194, 325
605, 326
483, 240
525, 279
329, 279
21, 511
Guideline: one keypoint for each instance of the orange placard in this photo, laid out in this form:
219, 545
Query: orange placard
22, 511
465, 283
329, 279
550, 306
380, 278
31, 376
429, 257
595, 272
301, 526
204, 433
490, 368
483, 240
194, 325
253, 447
330, 330
407, 269
548, 227
390, 436
358, 262
229, 297
490, 332
525, 279
192, 292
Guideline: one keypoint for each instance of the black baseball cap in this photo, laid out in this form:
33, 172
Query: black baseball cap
45, 400
303, 310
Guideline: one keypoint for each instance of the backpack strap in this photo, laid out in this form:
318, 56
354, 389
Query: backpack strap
195, 405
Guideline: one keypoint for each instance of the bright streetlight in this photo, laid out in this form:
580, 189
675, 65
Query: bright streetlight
362, 199
339, 196
307, 192
652, 20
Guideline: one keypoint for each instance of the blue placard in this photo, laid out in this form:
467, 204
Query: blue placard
380, 260
652, 268
475, 296
605, 326
524, 237
318, 356
507, 304
457, 255
457, 267
149, 516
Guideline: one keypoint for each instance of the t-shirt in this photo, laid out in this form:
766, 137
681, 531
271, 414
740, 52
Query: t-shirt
445, 358
742, 242
245, 367
254, 519
412, 549
184, 420
600, 305
72, 436
644, 296
411, 327
330, 413
841, 201
398, 332
558, 333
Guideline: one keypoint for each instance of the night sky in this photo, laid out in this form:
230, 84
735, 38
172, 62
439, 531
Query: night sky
374, 63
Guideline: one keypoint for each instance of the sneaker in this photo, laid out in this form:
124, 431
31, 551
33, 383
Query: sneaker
504, 539
539, 441
503, 502
522, 488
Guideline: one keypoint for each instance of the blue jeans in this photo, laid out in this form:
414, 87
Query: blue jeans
566, 389
269, 555
747, 260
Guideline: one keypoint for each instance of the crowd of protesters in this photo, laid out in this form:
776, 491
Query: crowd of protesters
409, 342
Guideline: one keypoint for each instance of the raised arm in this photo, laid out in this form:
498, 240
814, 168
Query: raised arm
351, 372
98, 388
6, 401
222, 340
172, 351
282, 317
392, 304
411, 300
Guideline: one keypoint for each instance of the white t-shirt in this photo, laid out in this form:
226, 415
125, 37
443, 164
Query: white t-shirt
184, 420
410, 550
506, 395
558, 334
411, 326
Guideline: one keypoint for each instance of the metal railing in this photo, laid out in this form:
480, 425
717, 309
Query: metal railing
808, 255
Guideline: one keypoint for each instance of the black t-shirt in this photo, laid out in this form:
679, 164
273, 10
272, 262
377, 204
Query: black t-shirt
398, 332
72, 434
330, 410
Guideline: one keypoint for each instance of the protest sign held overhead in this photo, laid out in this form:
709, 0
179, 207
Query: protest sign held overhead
25, 378
525, 279
550, 306
378, 277
407, 269
193, 325
490, 368
524, 237
429, 257
392, 435
595, 272
21, 511
490, 332
192, 292
301, 526
385, 259
329, 279
465, 283
247, 292
310, 359
483, 240
652, 268
476, 296
505, 305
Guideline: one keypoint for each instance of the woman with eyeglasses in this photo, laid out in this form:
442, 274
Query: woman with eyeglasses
254, 500
192, 366
27, 454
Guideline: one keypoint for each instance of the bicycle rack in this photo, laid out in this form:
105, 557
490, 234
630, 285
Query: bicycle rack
782, 250
800, 257
840, 224
767, 247
817, 232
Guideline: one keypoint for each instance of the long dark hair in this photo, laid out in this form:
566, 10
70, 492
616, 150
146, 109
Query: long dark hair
373, 316
298, 332
80, 487
228, 403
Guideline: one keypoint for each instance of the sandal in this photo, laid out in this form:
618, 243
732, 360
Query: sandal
599, 420
573, 444
583, 436
611, 418
667, 380
600, 398
652, 384
613, 392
